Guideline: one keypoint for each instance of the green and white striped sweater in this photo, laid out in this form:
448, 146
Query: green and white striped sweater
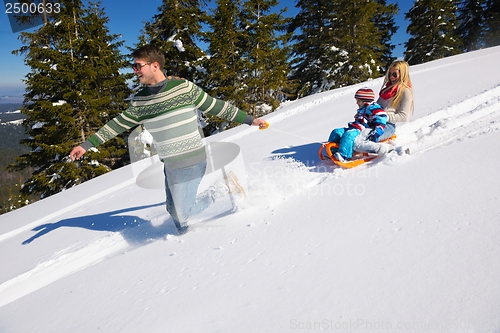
170, 117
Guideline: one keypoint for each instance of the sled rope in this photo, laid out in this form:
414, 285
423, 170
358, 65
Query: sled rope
295, 135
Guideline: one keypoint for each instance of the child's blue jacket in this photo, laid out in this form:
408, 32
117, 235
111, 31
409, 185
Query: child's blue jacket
370, 115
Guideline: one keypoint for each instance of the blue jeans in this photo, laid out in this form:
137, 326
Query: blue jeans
181, 187
345, 137
389, 130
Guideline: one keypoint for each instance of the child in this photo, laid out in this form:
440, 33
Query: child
369, 115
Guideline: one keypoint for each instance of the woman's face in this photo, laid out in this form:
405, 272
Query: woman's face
393, 75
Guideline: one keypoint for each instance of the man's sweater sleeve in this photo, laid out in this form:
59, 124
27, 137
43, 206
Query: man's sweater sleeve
221, 109
113, 128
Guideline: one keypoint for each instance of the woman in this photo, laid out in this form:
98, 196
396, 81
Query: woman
396, 97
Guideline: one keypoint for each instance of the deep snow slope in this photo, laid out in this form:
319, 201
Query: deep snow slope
408, 243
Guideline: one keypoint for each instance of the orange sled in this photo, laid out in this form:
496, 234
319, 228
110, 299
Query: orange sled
357, 160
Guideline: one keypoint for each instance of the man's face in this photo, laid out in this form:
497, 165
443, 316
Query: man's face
144, 71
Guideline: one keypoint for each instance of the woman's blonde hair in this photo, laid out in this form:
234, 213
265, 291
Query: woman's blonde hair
404, 81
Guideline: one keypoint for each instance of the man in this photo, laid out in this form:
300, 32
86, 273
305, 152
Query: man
167, 108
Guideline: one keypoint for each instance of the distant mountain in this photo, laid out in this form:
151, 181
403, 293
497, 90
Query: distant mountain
10, 99
10, 112
11, 118
10, 107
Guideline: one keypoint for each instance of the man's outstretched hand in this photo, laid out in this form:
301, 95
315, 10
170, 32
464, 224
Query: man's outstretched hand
77, 153
261, 123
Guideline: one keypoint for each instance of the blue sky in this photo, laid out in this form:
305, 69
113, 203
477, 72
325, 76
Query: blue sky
126, 17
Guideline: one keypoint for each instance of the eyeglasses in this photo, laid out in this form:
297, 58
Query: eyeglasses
393, 74
137, 66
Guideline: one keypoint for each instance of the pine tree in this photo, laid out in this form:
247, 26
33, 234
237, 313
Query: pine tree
312, 41
224, 64
266, 53
175, 30
432, 27
16, 199
340, 42
356, 55
385, 23
74, 87
471, 27
492, 23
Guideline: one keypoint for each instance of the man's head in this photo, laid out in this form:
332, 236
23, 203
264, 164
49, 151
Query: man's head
148, 64
150, 53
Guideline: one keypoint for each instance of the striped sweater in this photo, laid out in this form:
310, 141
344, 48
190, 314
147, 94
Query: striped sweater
170, 117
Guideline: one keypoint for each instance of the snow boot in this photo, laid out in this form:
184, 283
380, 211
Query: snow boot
339, 157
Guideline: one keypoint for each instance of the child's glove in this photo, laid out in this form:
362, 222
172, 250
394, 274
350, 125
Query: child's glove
375, 134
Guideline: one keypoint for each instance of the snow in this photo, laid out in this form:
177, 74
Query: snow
60, 102
145, 137
177, 43
409, 243
38, 125
13, 122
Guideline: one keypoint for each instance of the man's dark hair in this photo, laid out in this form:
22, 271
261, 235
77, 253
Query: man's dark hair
150, 53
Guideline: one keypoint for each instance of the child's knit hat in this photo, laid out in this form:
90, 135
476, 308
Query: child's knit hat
365, 94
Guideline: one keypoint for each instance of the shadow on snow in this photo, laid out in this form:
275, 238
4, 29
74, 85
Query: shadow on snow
308, 155
134, 229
